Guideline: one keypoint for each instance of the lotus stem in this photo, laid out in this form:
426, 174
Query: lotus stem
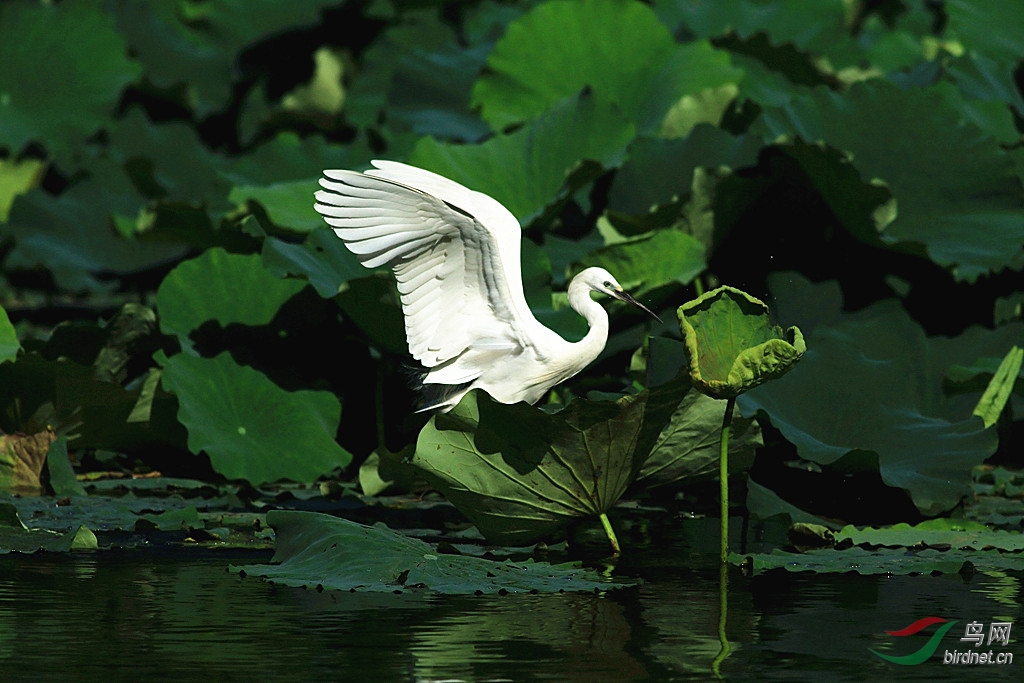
610, 533
723, 484
723, 611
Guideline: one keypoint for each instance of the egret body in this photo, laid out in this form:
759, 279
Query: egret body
455, 254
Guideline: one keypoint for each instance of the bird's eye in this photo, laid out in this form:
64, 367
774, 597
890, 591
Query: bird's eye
608, 284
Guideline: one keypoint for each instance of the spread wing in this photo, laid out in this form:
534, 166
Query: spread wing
455, 253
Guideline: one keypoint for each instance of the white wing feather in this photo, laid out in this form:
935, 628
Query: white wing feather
455, 254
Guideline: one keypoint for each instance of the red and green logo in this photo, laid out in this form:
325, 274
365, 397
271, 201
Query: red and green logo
928, 649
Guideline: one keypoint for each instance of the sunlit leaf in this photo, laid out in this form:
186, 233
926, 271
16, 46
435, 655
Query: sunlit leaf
559, 48
316, 550
526, 170
9, 344
17, 177
288, 204
997, 393
731, 345
248, 426
223, 287
645, 263
22, 459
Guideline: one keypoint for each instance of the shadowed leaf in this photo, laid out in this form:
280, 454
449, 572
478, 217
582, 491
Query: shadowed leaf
319, 550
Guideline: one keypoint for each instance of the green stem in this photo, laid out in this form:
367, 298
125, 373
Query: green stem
723, 484
610, 532
723, 611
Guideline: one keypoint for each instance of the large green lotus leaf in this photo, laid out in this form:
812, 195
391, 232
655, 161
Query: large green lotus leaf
73, 235
321, 258
872, 381
220, 286
688, 447
320, 551
558, 48
64, 67
248, 426
731, 346
527, 170
645, 263
882, 561
521, 474
9, 344
956, 190
197, 44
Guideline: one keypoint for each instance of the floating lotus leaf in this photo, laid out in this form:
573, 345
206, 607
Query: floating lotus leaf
319, 550
731, 345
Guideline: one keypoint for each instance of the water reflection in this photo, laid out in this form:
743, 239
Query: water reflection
139, 617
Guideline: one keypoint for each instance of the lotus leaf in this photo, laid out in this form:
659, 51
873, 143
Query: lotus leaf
9, 344
731, 346
526, 170
220, 286
249, 427
316, 550
521, 474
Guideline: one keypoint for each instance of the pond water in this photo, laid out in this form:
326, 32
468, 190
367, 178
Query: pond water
181, 615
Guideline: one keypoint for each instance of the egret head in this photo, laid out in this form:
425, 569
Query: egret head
600, 280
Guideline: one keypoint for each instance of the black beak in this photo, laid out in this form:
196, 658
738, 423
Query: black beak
628, 298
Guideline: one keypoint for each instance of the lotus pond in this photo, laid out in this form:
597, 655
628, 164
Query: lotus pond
174, 612
209, 460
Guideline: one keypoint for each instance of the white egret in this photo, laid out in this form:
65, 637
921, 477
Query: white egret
455, 253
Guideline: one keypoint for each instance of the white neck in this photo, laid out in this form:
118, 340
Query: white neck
590, 347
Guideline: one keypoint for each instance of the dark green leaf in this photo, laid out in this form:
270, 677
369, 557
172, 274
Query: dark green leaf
64, 67
316, 550
62, 477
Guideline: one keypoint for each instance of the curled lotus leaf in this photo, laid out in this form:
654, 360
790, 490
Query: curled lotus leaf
731, 346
